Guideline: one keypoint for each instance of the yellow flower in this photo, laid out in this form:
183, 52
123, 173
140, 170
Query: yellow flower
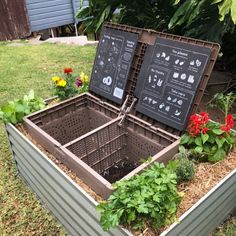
84, 78
55, 78
61, 83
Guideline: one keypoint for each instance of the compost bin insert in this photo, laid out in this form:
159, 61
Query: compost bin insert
73, 118
114, 151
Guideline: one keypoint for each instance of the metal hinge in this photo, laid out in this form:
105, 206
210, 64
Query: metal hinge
124, 111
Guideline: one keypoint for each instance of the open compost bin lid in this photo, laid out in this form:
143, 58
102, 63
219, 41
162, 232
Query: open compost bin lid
166, 73
113, 62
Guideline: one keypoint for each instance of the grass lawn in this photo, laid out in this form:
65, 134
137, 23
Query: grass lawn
24, 68
31, 67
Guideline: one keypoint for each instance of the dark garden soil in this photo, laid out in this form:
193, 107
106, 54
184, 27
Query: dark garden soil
119, 170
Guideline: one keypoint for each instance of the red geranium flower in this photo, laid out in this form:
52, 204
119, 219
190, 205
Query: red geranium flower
204, 130
225, 128
229, 120
197, 124
68, 70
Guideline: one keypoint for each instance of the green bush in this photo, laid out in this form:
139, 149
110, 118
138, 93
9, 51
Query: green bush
185, 169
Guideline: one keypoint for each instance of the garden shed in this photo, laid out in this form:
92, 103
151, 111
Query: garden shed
21, 18
44, 14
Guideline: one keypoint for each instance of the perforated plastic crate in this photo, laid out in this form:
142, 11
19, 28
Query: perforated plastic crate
112, 152
69, 120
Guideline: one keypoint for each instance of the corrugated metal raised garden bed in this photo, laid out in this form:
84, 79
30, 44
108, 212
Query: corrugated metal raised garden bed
76, 210
94, 134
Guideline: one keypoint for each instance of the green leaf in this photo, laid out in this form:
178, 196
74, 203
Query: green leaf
204, 137
182, 149
220, 141
198, 149
183, 13
217, 156
131, 217
233, 11
198, 141
184, 139
218, 131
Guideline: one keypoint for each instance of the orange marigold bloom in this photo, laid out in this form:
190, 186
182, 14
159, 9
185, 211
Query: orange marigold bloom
68, 70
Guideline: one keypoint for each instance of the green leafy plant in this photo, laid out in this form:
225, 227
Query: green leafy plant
150, 198
223, 102
182, 164
14, 111
210, 140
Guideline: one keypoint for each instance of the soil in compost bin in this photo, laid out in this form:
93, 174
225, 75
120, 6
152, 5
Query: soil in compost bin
119, 170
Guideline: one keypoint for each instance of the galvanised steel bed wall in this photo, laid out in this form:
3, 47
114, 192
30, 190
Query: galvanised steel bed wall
75, 209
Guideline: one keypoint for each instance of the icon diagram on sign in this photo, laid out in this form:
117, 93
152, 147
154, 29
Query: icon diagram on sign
149, 79
145, 99
176, 75
162, 105
183, 76
192, 63
107, 80
167, 58
177, 113
198, 63
101, 63
191, 79
180, 102
174, 100
127, 56
167, 108
159, 83
163, 54
178, 62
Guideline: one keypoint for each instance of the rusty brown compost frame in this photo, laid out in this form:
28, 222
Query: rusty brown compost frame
84, 132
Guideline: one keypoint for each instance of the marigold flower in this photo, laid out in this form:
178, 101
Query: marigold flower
55, 78
61, 83
68, 70
84, 78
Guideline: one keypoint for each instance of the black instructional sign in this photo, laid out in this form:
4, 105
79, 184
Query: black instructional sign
112, 64
169, 79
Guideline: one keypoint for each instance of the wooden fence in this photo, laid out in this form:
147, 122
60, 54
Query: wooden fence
13, 20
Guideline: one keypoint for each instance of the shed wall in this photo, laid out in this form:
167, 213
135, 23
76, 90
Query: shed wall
45, 14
